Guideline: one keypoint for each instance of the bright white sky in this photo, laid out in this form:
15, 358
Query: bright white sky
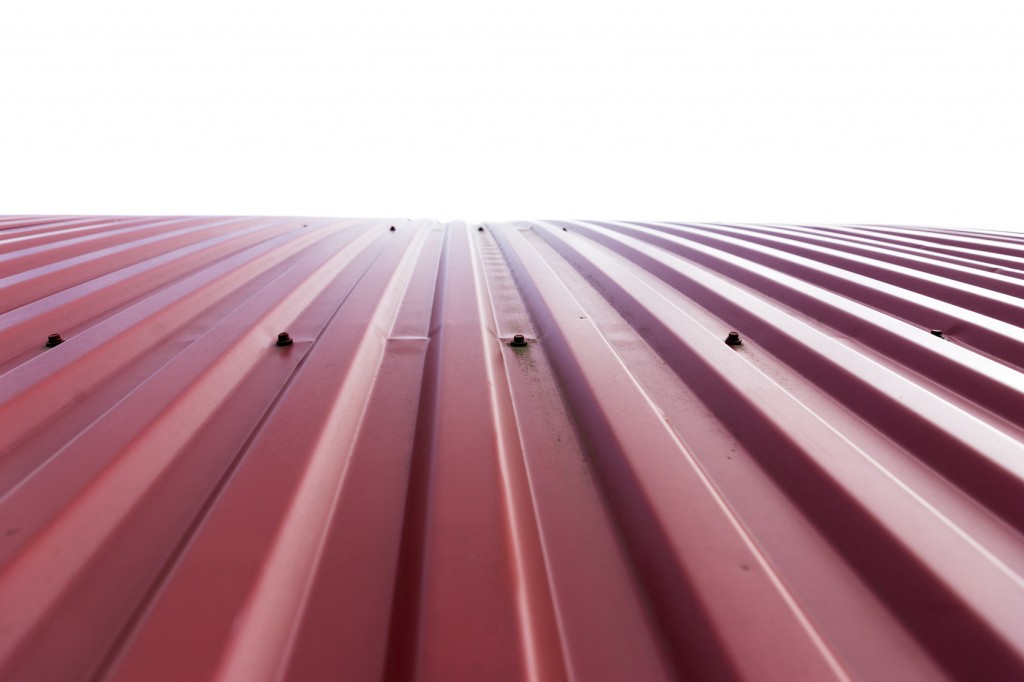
896, 111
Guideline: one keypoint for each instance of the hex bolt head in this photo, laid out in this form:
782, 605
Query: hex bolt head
518, 341
733, 339
938, 333
53, 340
284, 339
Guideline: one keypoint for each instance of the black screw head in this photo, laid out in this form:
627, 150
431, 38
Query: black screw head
53, 340
733, 339
938, 333
480, 229
391, 229
518, 341
284, 339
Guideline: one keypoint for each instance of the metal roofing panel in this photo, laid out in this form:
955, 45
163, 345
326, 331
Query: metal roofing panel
400, 494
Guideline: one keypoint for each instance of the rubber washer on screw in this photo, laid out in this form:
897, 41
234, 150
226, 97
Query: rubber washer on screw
518, 341
733, 339
284, 339
53, 340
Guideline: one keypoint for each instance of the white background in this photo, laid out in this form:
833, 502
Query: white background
787, 110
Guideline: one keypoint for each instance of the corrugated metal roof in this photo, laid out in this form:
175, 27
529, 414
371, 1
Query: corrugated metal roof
400, 494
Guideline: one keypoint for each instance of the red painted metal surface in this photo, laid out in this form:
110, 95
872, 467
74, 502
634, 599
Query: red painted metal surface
401, 495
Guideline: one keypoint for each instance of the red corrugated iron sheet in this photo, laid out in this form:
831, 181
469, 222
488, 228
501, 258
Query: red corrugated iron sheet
401, 495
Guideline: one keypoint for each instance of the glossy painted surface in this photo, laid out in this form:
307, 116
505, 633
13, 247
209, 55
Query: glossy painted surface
401, 495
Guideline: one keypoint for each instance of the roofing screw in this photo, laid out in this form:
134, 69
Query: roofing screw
480, 229
518, 341
392, 229
284, 339
733, 339
938, 333
53, 340
565, 229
